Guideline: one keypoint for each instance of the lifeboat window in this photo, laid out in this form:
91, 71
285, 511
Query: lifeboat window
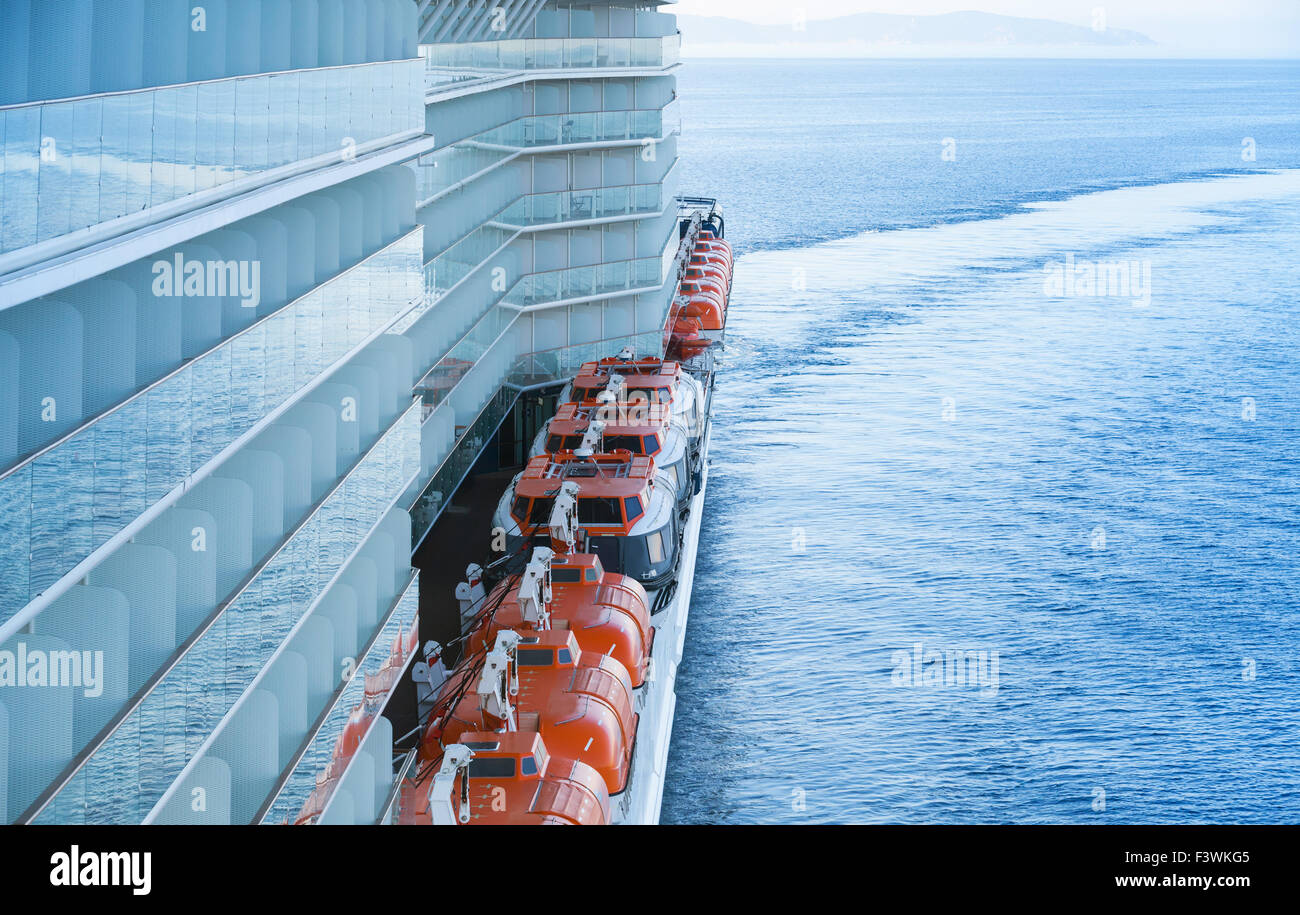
633, 506
593, 575
520, 508
651, 444
630, 442
541, 511
528, 766
534, 657
665, 395
555, 443
599, 511
492, 767
655, 544
566, 576
563, 656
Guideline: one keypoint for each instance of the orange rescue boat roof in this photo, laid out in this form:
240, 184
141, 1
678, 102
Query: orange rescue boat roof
647, 419
639, 373
609, 475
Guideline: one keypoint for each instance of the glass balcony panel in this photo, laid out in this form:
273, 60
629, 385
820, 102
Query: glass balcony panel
447, 64
22, 145
301, 781
113, 467
55, 176
87, 127
116, 155
156, 739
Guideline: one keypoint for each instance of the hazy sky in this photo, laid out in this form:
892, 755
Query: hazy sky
1250, 27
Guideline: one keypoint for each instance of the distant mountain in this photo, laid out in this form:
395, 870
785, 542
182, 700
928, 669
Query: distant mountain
958, 32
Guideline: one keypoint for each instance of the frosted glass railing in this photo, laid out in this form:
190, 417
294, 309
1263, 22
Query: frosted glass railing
562, 363
450, 62
584, 127
589, 203
103, 476
453, 265
531, 290
437, 171
579, 282
439, 381
436, 77
122, 778
301, 781
72, 164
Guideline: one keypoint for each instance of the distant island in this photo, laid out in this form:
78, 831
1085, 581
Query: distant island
965, 34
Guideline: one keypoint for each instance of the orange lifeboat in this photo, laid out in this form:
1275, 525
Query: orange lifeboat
686, 341
705, 302
643, 428
711, 259
580, 701
709, 233
705, 292
608, 613
651, 379
714, 244
705, 309
708, 274
657, 379
625, 507
493, 778
716, 257
706, 251
707, 285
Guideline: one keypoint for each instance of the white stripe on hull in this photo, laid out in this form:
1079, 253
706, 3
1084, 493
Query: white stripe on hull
657, 701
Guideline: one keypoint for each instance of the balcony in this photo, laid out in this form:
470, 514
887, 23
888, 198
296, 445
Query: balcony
447, 64
535, 291
587, 127
129, 763
313, 705
562, 362
69, 165
582, 205
105, 474
625, 277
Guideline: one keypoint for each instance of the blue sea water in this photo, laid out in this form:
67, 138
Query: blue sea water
922, 441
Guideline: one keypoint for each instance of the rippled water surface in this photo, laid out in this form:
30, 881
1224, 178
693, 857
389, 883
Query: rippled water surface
919, 442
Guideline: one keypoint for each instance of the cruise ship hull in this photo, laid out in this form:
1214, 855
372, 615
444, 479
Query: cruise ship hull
657, 700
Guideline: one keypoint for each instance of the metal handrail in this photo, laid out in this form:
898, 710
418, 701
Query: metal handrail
385, 817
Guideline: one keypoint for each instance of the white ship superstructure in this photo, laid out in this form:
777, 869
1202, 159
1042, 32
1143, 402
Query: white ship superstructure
272, 273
